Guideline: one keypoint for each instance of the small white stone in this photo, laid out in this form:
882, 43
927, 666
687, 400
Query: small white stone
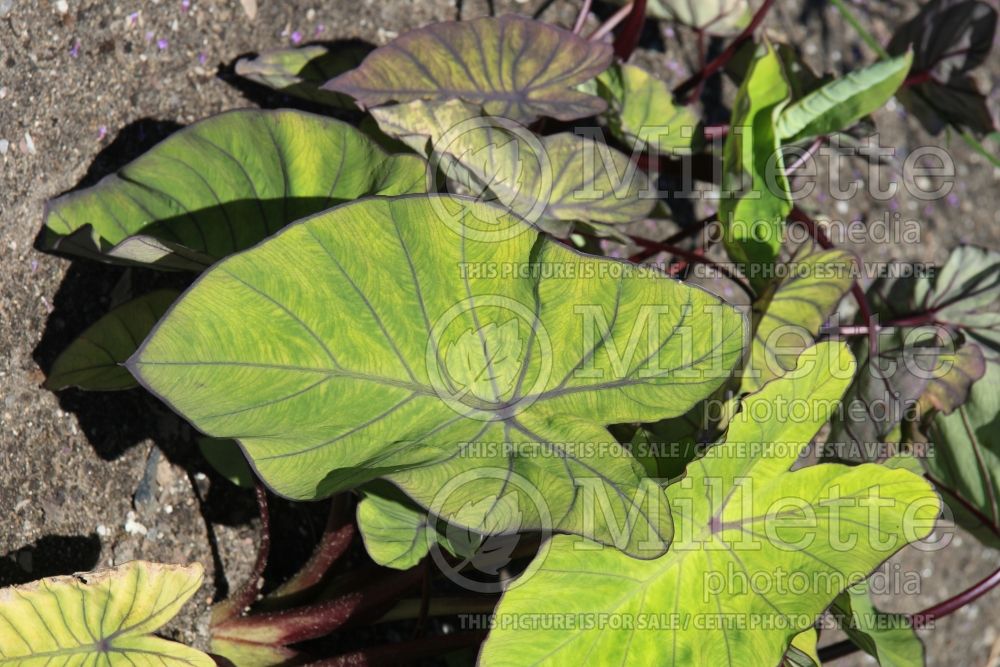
62, 6
842, 207
4, 145
102, 530
29, 143
133, 527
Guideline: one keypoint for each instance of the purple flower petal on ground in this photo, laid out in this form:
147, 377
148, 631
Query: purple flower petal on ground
102, 132
75, 50
162, 44
296, 37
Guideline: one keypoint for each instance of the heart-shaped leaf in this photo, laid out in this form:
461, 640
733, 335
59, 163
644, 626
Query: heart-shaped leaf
889, 638
302, 71
227, 182
716, 17
94, 360
551, 181
396, 533
841, 102
104, 617
323, 350
641, 111
789, 315
755, 198
746, 528
514, 67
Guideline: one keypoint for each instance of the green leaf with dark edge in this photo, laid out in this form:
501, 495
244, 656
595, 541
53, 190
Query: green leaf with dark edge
302, 71
94, 360
715, 17
514, 67
841, 102
950, 38
889, 638
551, 181
389, 342
948, 390
641, 111
396, 532
97, 615
228, 460
788, 316
755, 199
738, 512
965, 459
227, 182
802, 651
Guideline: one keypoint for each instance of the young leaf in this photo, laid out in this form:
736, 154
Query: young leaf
551, 181
789, 315
396, 533
889, 638
641, 111
514, 67
302, 71
323, 350
743, 521
228, 460
103, 617
227, 182
755, 198
94, 360
840, 103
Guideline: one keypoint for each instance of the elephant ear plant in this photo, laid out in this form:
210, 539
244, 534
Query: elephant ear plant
441, 317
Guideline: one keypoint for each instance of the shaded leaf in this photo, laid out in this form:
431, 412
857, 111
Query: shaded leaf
94, 616
641, 111
788, 317
227, 182
330, 370
755, 198
738, 512
841, 102
228, 460
302, 71
396, 533
889, 638
950, 389
94, 360
552, 181
514, 67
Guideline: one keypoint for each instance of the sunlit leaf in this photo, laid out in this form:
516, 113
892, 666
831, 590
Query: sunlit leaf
227, 182
788, 316
841, 102
302, 71
323, 350
641, 111
396, 532
94, 360
755, 198
889, 638
104, 617
743, 521
514, 67
715, 17
551, 181
802, 651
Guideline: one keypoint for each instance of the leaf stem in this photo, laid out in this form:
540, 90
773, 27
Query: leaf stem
866, 36
238, 602
581, 18
611, 23
628, 38
694, 257
405, 652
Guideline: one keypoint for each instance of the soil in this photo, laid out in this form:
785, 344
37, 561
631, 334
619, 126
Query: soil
90, 480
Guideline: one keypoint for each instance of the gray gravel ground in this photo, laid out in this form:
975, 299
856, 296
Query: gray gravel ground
85, 85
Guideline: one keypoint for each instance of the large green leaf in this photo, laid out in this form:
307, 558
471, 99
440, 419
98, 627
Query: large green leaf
446, 345
225, 183
841, 102
94, 360
755, 198
789, 315
641, 111
759, 552
104, 617
302, 71
889, 638
552, 181
514, 67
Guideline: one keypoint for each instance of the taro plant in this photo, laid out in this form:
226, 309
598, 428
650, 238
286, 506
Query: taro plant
440, 307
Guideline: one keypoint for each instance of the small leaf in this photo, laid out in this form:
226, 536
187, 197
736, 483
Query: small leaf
788, 317
755, 198
551, 181
227, 182
94, 361
302, 71
889, 638
802, 651
641, 111
838, 104
743, 522
106, 617
396, 533
514, 67
946, 391
331, 369
715, 17
228, 460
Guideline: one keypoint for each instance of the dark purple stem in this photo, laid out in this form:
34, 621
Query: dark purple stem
405, 652
628, 38
247, 594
